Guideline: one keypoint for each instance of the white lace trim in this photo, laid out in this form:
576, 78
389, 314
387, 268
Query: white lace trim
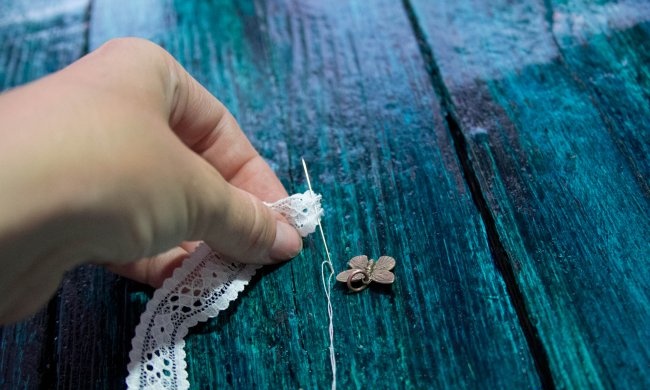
198, 290
303, 211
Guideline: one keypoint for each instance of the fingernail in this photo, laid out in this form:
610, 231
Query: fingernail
287, 244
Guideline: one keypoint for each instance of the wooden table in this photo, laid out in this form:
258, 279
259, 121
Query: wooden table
497, 149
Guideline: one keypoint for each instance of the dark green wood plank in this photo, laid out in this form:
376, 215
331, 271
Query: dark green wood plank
344, 85
97, 315
556, 138
36, 38
23, 352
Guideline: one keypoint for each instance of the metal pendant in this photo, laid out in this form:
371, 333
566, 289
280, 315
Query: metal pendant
366, 271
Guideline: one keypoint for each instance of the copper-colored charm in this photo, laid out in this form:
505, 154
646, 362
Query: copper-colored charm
367, 271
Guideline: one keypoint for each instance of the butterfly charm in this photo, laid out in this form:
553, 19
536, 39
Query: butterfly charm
367, 271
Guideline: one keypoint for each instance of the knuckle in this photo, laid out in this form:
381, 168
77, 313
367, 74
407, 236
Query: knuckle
138, 54
129, 44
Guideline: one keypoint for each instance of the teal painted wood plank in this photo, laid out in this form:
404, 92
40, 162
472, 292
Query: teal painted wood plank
556, 136
343, 84
36, 38
609, 55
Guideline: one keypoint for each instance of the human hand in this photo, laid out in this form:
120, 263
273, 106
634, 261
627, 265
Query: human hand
122, 156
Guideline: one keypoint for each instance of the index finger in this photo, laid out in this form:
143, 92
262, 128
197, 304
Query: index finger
204, 124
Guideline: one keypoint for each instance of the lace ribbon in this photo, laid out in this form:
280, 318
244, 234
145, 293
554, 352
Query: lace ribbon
198, 290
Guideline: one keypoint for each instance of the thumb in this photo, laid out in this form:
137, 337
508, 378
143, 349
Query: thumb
238, 225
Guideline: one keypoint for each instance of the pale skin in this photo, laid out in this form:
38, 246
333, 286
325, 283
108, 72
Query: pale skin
123, 159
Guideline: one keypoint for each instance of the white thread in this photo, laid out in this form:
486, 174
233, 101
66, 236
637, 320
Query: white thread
327, 287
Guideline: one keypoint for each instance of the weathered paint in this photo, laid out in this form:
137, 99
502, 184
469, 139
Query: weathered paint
550, 103
563, 168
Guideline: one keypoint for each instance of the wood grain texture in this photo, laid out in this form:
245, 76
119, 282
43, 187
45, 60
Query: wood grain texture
609, 57
97, 314
36, 38
343, 84
498, 150
551, 100
24, 352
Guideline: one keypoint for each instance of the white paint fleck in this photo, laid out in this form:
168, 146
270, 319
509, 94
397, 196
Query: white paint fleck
474, 131
595, 19
493, 38
40, 11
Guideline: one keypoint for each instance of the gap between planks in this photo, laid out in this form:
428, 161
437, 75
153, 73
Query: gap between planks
501, 258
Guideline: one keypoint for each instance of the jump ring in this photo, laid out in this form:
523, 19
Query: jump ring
365, 280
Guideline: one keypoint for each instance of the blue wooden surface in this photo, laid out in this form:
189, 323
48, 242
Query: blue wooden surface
498, 151
551, 104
